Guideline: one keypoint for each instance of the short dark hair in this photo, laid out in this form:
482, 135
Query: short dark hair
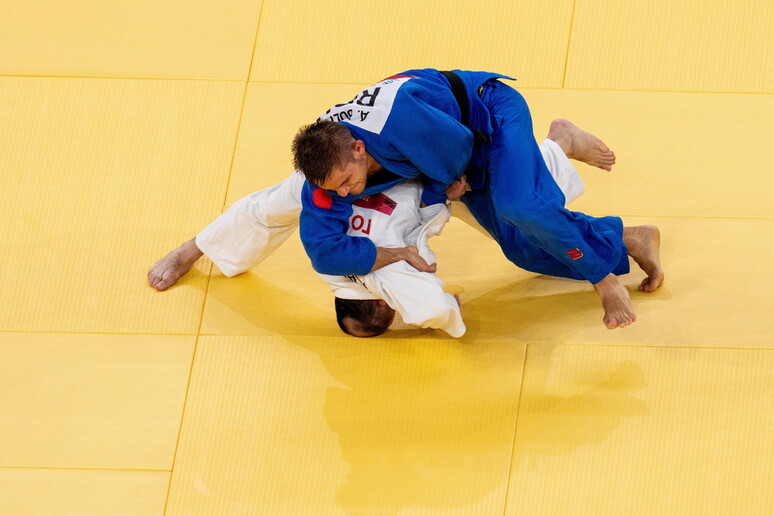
366, 317
319, 148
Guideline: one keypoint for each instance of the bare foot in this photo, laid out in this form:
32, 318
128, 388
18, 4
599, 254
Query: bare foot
169, 269
642, 243
615, 302
579, 145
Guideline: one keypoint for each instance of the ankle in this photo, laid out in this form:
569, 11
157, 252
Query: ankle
189, 251
607, 284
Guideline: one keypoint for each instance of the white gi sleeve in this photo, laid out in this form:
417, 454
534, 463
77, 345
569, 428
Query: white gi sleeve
433, 218
253, 227
417, 296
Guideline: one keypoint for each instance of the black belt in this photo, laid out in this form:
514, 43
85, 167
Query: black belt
461, 95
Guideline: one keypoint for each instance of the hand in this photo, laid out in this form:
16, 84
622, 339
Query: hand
388, 255
457, 189
416, 261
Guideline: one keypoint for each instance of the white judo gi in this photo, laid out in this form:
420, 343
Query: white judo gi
254, 226
393, 218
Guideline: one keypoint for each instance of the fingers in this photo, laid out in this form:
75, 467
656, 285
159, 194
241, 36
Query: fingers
457, 189
417, 261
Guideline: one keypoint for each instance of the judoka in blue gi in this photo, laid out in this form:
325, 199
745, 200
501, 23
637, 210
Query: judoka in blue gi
462, 132
256, 225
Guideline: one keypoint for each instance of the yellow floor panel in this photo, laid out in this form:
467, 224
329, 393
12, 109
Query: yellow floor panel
347, 41
242, 397
673, 45
345, 426
143, 38
52, 492
100, 178
640, 431
281, 296
91, 401
698, 155
715, 292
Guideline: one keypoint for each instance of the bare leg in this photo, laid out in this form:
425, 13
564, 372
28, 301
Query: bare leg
643, 244
169, 269
579, 145
615, 303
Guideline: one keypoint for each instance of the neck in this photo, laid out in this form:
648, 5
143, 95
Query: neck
373, 166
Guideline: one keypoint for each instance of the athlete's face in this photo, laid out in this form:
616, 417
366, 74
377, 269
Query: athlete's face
348, 180
352, 178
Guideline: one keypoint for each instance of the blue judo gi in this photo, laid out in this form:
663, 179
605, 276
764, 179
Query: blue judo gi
411, 124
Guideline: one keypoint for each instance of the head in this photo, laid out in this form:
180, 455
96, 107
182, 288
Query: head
363, 317
331, 158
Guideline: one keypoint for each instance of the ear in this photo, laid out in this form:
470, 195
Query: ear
358, 148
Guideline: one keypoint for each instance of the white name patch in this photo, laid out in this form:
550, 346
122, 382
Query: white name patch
371, 107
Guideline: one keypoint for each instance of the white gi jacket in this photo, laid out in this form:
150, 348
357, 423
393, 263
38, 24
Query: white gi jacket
254, 226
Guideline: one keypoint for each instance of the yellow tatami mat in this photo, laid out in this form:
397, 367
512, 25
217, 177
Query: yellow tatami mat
643, 431
144, 38
344, 426
80, 492
678, 154
125, 128
293, 300
672, 45
368, 41
92, 401
99, 176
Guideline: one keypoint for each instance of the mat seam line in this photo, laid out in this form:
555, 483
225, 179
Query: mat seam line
613, 346
53, 468
569, 42
306, 335
120, 78
209, 276
515, 429
185, 398
362, 83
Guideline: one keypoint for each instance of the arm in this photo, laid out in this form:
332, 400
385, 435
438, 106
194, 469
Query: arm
324, 225
418, 297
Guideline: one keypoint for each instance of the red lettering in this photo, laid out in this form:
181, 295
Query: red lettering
358, 222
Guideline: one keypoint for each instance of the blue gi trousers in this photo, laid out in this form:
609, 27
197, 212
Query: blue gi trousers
523, 209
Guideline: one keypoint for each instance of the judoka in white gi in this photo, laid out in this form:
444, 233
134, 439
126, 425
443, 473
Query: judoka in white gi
256, 225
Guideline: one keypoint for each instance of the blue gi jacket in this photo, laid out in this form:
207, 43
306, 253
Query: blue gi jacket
410, 124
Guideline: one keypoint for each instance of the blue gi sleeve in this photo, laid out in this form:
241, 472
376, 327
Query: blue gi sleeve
432, 140
323, 227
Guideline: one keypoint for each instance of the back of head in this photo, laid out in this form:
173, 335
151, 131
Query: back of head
363, 317
320, 147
